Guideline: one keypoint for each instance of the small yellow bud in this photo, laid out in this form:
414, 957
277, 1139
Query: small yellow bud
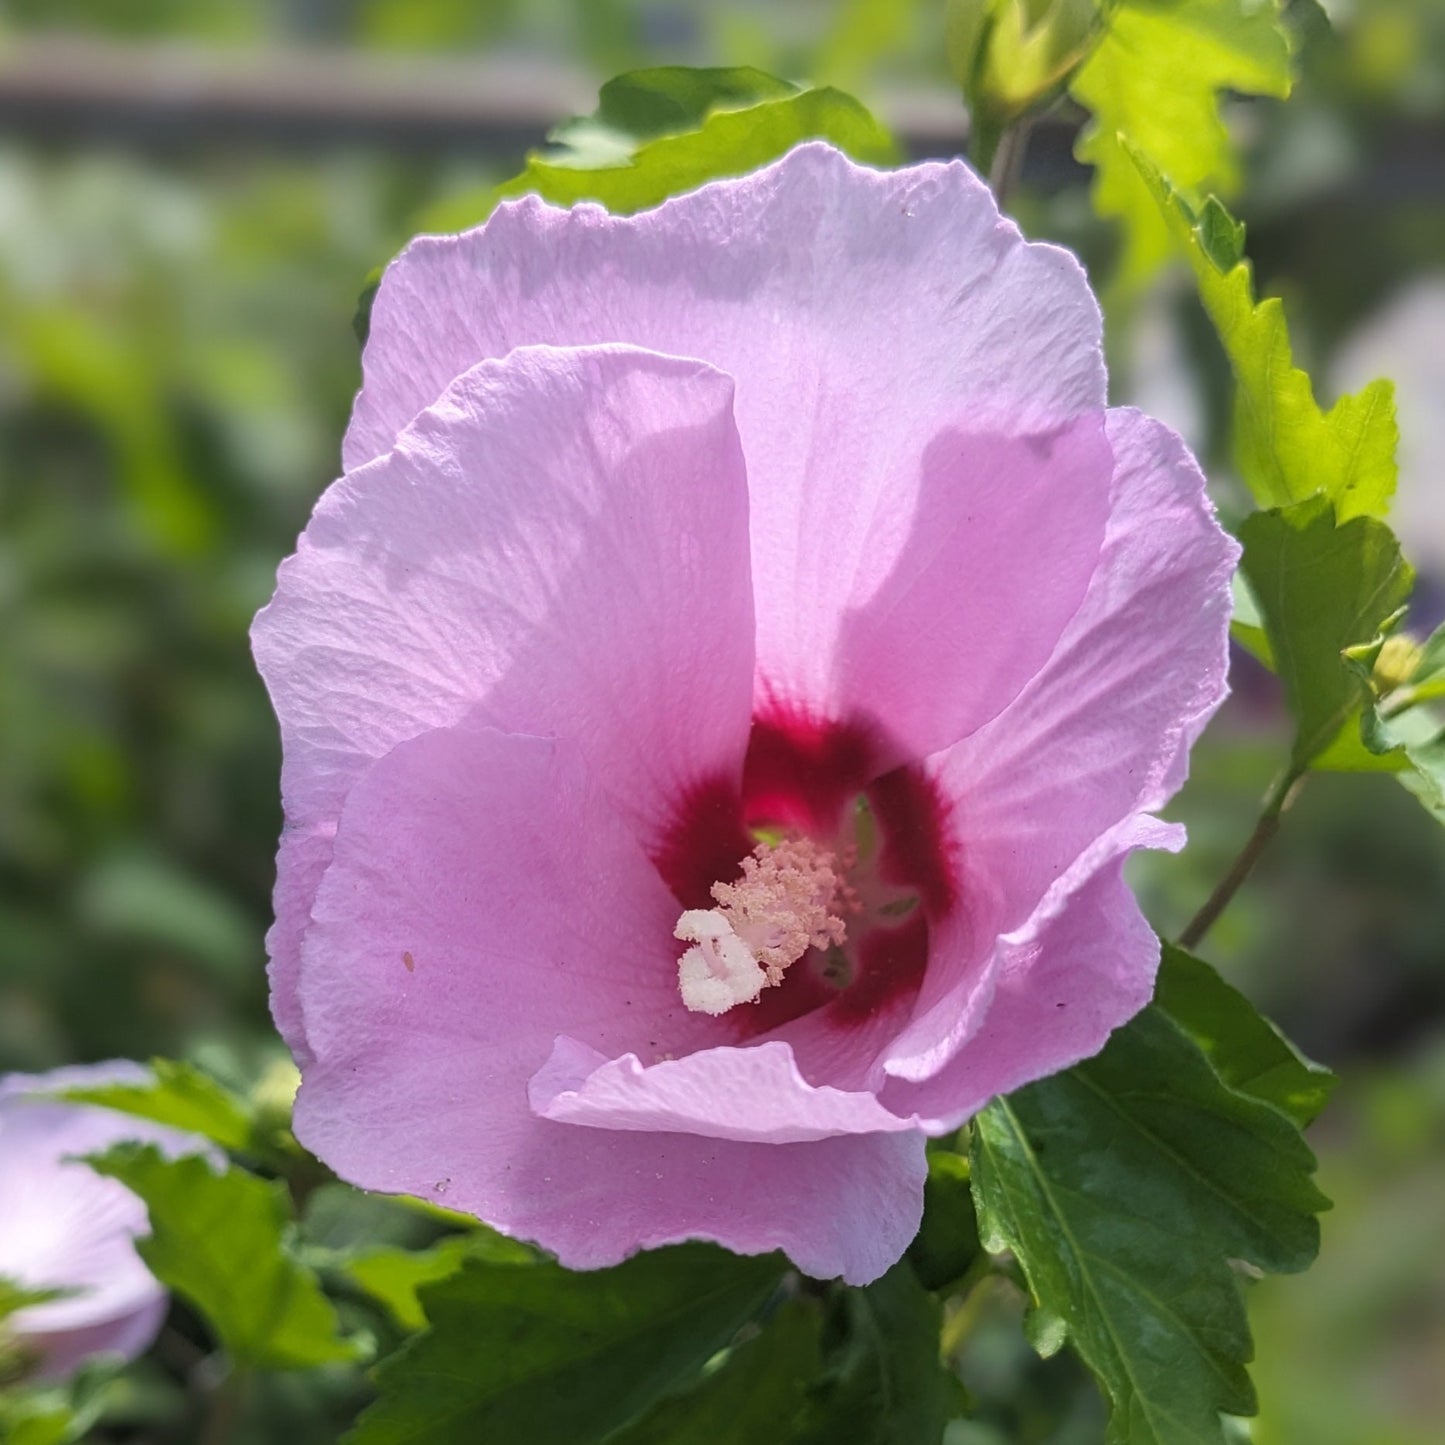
1398, 661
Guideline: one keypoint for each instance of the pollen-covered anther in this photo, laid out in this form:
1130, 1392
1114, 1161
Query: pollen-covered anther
793, 896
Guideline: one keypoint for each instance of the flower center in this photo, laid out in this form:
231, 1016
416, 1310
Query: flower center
793, 895
815, 792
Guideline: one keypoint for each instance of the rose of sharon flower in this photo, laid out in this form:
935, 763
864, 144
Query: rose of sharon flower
718, 702
65, 1227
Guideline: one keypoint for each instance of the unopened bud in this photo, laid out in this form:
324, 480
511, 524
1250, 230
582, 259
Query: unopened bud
1398, 661
1013, 56
965, 29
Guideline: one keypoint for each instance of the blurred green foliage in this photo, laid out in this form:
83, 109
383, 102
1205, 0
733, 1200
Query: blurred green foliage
176, 362
176, 365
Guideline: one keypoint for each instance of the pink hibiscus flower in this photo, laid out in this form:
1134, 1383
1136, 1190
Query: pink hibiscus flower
65, 1227
718, 701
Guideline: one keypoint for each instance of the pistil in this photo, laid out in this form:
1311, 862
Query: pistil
793, 895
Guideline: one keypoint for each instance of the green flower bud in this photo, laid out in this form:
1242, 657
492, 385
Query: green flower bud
965, 29
1014, 56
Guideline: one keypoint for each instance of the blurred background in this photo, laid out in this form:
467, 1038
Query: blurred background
192, 195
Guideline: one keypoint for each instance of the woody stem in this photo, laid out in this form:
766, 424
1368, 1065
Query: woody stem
1281, 794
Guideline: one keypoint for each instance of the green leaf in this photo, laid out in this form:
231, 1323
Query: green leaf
1426, 779
947, 1242
657, 133
1124, 1187
1246, 626
44, 1421
1286, 448
1155, 78
59, 1414
645, 105
340, 1223
758, 1393
1321, 588
220, 1241
15, 1296
41, 1424
885, 1385
1246, 1050
394, 1276
536, 1353
1348, 753
869, 1374
183, 1097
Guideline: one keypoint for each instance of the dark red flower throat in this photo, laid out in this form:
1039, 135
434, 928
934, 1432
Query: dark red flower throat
824, 782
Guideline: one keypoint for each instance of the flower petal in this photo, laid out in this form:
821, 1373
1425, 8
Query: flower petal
1102, 732
887, 331
62, 1351
62, 1226
813, 261
1084, 965
753, 1094
557, 546
1105, 728
955, 592
485, 897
